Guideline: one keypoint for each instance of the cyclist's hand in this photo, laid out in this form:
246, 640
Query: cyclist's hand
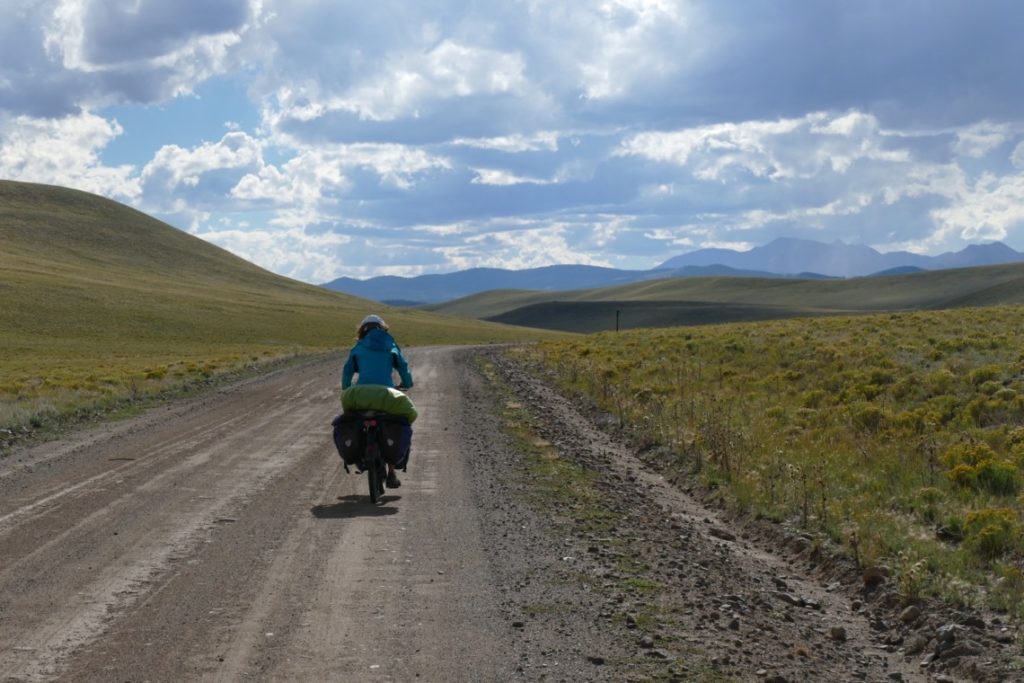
402, 387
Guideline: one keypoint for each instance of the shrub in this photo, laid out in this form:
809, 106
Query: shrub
828, 353
868, 391
912, 421
868, 417
1008, 590
1016, 437
983, 412
813, 398
967, 453
912, 577
881, 376
998, 478
962, 475
991, 532
1005, 394
977, 466
940, 382
986, 373
942, 409
989, 388
907, 388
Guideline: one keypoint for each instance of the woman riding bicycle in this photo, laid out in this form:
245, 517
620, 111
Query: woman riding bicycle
374, 358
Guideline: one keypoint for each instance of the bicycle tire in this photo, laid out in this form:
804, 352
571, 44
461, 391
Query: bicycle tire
373, 472
382, 475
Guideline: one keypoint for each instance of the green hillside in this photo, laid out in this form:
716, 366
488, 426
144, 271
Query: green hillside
100, 300
597, 316
683, 301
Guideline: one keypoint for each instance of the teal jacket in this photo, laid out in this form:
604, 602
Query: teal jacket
373, 358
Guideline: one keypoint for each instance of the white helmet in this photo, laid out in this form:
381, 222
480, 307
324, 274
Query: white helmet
373, 319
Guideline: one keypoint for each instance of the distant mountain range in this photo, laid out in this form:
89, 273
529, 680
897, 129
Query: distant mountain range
427, 289
789, 255
784, 257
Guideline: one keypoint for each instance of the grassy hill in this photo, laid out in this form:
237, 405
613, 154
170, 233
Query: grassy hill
596, 316
102, 301
685, 301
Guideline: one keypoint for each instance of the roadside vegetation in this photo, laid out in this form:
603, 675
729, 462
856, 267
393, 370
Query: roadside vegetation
898, 438
104, 308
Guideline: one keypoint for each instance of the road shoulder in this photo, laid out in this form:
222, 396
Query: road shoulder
675, 589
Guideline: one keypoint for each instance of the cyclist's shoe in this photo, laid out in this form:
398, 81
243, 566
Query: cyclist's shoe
392, 481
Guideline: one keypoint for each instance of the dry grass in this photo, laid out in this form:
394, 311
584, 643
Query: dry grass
899, 437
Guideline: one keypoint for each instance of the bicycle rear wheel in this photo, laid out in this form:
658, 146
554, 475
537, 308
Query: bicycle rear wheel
373, 472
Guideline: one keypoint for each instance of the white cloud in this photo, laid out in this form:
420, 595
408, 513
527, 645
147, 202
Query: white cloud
315, 176
303, 182
174, 166
64, 151
542, 141
775, 150
665, 235
808, 216
718, 244
407, 80
404, 61
485, 176
988, 210
851, 124
290, 251
149, 47
948, 181
607, 48
518, 249
979, 139
397, 165
1018, 156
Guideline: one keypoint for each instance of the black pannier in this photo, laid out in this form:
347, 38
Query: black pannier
348, 438
395, 438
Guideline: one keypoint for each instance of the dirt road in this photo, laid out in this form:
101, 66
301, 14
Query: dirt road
219, 539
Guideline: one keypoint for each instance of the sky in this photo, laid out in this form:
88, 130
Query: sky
322, 139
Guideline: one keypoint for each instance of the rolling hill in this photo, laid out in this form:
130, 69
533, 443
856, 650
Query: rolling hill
785, 258
100, 299
688, 301
436, 288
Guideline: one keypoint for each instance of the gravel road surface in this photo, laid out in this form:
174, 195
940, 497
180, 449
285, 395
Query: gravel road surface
219, 539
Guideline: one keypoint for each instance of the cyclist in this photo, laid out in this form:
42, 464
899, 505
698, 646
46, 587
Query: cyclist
374, 358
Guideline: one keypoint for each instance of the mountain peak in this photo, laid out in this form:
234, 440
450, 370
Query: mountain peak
789, 255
